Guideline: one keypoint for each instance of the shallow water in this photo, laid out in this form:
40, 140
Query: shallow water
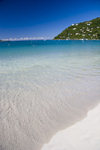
83, 135
45, 86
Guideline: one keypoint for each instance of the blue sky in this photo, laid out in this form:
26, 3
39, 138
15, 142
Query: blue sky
43, 18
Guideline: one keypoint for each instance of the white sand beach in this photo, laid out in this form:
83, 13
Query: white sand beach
84, 135
46, 88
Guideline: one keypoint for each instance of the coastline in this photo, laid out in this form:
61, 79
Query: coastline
77, 39
18, 40
45, 88
86, 130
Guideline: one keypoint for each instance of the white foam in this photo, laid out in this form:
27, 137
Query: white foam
84, 135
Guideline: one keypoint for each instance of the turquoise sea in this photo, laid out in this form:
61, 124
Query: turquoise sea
45, 86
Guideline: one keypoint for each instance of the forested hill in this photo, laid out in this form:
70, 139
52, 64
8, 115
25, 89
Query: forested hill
89, 30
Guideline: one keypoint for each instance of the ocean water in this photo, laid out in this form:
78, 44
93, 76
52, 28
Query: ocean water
45, 86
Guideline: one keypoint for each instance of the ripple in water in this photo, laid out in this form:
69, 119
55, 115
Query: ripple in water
45, 86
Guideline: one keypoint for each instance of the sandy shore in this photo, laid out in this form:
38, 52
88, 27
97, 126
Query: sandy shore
84, 135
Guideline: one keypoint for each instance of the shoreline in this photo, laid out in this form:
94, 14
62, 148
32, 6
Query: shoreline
86, 130
46, 88
78, 39
49, 40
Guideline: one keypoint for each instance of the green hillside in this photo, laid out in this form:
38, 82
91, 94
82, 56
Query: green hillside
86, 30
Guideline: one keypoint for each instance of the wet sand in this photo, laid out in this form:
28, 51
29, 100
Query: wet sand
84, 135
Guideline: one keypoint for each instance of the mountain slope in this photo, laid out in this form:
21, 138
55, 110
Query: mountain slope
86, 30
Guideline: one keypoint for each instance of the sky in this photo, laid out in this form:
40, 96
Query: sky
43, 18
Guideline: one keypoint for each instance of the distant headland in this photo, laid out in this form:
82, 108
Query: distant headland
22, 39
88, 30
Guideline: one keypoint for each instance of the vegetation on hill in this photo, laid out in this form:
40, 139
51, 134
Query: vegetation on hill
89, 30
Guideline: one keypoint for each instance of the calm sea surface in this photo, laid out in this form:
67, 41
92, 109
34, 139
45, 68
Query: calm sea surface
45, 86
